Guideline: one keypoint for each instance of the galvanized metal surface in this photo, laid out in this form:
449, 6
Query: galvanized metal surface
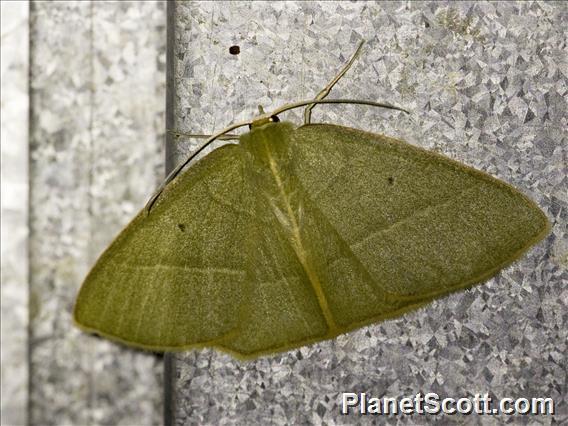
14, 289
96, 152
487, 86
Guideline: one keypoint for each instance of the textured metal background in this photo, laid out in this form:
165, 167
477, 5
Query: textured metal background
14, 245
97, 85
487, 84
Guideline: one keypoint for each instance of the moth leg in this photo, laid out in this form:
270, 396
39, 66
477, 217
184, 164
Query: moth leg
327, 89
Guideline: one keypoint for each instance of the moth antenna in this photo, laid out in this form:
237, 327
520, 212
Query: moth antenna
227, 137
180, 166
327, 89
294, 105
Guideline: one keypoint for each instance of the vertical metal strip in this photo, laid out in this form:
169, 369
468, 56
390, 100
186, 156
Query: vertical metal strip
14, 291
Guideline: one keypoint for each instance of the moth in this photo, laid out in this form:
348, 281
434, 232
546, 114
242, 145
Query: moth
298, 234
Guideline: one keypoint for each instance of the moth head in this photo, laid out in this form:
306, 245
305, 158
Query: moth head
263, 119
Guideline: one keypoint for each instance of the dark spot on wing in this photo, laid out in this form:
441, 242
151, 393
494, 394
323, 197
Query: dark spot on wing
390, 180
181, 227
234, 50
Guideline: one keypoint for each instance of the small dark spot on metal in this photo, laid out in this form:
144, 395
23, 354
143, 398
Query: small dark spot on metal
181, 227
391, 180
234, 50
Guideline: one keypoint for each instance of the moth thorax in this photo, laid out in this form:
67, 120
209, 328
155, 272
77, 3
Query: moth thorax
268, 144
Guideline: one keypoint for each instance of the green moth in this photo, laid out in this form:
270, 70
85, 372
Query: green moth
298, 234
